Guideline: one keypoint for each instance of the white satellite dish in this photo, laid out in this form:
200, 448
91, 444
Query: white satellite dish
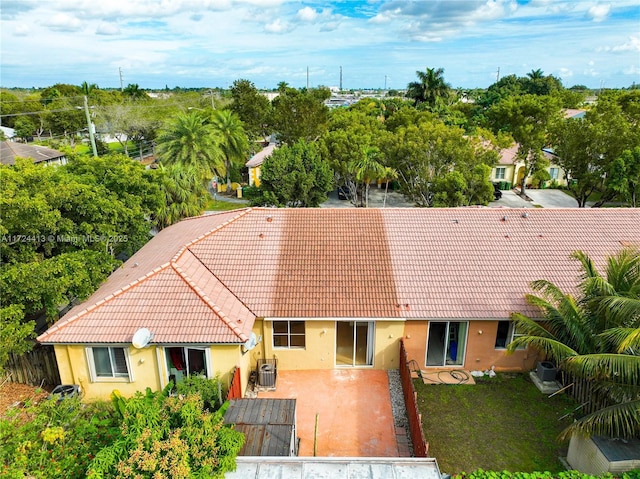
141, 338
250, 343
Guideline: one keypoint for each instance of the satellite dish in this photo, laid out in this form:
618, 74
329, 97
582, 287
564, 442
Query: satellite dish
141, 338
251, 342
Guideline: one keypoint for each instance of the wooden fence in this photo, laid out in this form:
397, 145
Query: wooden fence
37, 367
420, 445
583, 392
235, 390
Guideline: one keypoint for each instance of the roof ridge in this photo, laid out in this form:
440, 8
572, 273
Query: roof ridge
64, 322
215, 308
176, 256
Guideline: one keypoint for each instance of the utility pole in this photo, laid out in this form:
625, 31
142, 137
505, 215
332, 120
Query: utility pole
341, 78
90, 125
212, 105
307, 78
498, 75
385, 82
121, 84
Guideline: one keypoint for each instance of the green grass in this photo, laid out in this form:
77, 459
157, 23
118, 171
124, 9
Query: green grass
221, 205
504, 423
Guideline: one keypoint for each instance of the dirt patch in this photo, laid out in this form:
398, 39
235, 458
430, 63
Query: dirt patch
14, 393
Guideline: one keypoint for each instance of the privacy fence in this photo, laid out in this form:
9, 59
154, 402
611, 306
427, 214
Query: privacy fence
420, 445
37, 367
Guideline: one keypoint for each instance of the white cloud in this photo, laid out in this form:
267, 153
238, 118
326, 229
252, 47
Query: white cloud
21, 30
632, 70
278, 26
565, 73
108, 29
600, 12
633, 45
62, 22
307, 14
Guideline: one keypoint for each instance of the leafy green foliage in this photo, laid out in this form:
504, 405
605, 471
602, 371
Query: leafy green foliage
482, 474
252, 107
164, 436
299, 114
295, 176
54, 440
593, 337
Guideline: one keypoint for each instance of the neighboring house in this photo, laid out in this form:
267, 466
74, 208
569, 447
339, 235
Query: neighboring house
255, 164
9, 133
328, 288
10, 150
511, 170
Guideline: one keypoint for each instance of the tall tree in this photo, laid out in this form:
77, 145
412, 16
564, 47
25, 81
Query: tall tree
368, 168
295, 176
527, 118
184, 194
429, 88
189, 140
299, 114
596, 337
233, 140
252, 107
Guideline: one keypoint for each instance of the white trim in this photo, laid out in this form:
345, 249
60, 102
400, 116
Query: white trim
92, 366
209, 359
162, 366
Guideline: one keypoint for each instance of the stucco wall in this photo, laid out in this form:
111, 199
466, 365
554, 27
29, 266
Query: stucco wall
74, 369
320, 346
480, 353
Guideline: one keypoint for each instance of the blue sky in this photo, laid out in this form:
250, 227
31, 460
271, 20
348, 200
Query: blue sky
211, 43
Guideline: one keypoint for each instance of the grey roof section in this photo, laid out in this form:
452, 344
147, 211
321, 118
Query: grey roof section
268, 425
616, 450
9, 150
334, 468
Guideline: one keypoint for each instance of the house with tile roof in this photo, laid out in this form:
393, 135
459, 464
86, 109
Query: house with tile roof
10, 150
510, 169
327, 288
254, 164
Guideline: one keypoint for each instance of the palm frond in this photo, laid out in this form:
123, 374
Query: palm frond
623, 340
552, 349
619, 368
624, 311
621, 420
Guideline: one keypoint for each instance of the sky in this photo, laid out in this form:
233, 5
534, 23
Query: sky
377, 43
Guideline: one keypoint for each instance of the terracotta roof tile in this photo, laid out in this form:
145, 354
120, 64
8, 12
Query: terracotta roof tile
409, 263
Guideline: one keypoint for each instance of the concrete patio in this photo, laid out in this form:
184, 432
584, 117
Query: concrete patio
353, 407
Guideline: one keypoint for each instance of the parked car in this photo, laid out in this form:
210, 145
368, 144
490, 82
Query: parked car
497, 194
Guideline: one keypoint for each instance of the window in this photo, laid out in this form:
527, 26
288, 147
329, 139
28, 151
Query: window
506, 333
288, 334
500, 172
554, 172
185, 361
108, 363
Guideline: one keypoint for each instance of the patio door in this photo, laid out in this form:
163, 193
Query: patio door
185, 361
354, 343
446, 343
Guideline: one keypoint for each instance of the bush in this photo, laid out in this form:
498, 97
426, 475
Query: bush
481, 474
54, 439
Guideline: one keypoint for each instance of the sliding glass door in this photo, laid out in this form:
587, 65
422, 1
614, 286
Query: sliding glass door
446, 343
354, 343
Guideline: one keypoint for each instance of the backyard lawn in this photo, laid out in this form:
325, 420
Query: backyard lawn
499, 424
221, 205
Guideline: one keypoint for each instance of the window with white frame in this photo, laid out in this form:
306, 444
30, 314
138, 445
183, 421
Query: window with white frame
500, 173
108, 363
505, 334
554, 173
288, 334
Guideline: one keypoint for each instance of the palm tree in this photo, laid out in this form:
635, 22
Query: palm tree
535, 74
596, 337
388, 174
429, 88
367, 169
233, 139
184, 194
189, 141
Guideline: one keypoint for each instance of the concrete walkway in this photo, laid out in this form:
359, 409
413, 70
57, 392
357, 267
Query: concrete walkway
353, 407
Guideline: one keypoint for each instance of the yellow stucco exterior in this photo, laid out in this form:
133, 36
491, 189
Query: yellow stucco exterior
320, 346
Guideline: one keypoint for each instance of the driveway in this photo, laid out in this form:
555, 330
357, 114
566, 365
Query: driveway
552, 199
352, 407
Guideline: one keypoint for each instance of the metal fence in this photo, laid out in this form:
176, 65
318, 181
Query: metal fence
420, 445
37, 367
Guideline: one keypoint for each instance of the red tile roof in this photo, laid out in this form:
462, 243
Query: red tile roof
454, 263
